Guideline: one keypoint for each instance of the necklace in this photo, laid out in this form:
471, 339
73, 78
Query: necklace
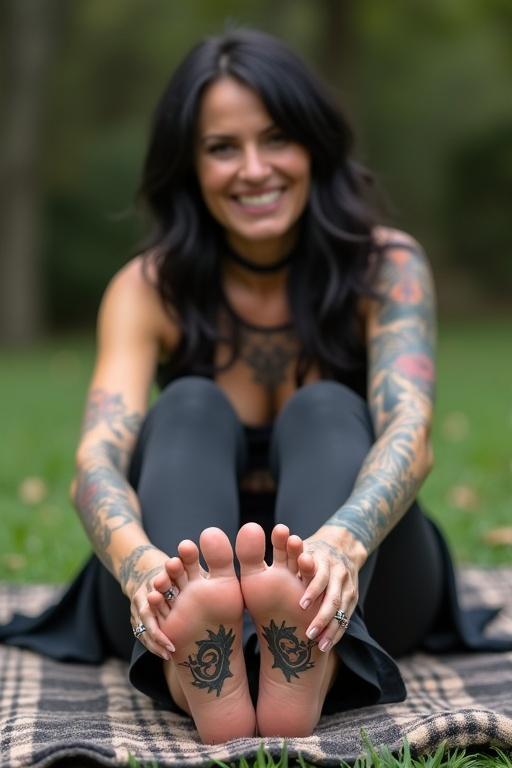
261, 268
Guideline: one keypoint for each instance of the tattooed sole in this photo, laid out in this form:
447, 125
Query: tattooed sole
206, 675
294, 674
210, 666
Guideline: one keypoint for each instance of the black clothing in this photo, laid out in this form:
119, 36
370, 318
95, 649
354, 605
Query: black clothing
315, 450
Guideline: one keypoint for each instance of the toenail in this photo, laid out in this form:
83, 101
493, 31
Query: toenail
305, 604
325, 645
312, 633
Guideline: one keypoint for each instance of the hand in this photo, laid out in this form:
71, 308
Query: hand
143, 612
330, 572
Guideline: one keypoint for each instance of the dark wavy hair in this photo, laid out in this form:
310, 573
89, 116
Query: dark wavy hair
330, 266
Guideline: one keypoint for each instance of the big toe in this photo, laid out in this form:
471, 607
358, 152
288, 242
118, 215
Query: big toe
250, 548
217, 552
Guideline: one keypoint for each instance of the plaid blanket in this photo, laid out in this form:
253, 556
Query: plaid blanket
53, 712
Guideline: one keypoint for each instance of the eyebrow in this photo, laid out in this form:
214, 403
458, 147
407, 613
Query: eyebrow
230, 136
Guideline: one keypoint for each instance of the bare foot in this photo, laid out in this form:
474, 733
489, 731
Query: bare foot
206, 675
294, 675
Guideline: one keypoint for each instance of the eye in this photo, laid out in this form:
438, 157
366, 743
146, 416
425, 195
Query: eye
277, 139
220, 149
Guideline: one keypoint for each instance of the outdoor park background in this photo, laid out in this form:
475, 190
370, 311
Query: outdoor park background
427, 84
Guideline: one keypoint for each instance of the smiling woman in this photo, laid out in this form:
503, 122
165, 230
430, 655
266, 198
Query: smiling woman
253, 178
293, 338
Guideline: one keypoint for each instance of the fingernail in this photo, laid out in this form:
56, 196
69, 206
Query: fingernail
325, 645
305, 603
170, 648
312, 633
165, 656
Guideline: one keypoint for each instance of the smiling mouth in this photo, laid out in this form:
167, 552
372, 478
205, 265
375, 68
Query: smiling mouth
259, 201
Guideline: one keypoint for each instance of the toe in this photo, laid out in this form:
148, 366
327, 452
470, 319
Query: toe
189, 556
294, 548
217, 552
176, 572
280, 535
250, 548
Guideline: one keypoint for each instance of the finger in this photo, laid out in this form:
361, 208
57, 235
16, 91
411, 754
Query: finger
317, 585
154, 639
280, 534
162, 582
335, 629
159, 604
329, 605
294, 548
307, 570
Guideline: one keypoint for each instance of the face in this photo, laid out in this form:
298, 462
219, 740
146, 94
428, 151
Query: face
254, 180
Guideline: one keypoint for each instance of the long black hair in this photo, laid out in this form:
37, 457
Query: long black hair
329, 269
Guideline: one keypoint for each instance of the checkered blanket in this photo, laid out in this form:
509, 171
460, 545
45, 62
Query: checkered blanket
53, 712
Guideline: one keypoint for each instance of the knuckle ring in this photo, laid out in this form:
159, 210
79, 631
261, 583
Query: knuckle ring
169, 594
341, 618
139, 630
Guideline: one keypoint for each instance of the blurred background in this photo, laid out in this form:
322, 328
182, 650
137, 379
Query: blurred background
428, 87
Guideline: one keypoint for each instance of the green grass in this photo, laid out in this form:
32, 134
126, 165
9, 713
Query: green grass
372, 758
43, 390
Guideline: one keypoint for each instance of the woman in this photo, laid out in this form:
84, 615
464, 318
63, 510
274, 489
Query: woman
293, 340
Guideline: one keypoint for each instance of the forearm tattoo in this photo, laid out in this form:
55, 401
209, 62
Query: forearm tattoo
210, 666
104, 499
291, 655
401, 394
129, 574
109, 408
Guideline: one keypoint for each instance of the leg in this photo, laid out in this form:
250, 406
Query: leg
320, 441
191, 432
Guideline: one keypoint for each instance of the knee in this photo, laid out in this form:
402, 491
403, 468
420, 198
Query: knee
325, 404
189, 395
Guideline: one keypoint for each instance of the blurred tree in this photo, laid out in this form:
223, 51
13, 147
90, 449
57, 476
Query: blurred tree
28, 32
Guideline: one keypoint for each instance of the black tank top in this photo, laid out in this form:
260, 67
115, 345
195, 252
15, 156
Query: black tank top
280, 342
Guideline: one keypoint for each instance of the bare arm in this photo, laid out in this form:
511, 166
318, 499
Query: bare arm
128, 344
401, 341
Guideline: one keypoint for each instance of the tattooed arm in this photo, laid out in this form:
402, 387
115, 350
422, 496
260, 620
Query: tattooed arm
401, 339
128, 343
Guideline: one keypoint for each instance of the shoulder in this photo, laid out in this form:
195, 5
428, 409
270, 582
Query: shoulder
132, 300
396, 256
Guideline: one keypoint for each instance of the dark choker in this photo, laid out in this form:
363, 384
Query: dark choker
260, 268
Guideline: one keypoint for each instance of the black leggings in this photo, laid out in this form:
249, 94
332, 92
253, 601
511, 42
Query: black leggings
186, 467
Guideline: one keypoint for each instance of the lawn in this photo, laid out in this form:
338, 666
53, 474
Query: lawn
469, 492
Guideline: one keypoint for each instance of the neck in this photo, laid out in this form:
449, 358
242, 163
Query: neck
259, 267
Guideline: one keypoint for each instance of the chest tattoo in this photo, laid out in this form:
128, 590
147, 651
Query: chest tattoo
268, 355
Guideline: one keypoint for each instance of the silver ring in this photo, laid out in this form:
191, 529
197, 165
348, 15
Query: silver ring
169, 594
139, 630
341, 618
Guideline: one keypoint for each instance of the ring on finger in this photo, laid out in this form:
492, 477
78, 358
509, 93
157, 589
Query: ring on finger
169, 594
139, 630
341, 618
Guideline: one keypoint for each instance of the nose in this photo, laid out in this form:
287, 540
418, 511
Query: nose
255, 167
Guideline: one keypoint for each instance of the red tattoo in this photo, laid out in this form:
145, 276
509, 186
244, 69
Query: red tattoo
416, 366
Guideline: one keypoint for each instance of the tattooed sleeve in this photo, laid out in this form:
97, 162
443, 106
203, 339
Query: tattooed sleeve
401, 392
104, 499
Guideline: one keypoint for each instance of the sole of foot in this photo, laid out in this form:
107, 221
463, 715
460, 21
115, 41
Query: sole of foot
294, 674
206, 675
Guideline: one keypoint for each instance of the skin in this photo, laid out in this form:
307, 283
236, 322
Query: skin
241, 155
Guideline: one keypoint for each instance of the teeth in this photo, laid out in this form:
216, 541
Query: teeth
265, 199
